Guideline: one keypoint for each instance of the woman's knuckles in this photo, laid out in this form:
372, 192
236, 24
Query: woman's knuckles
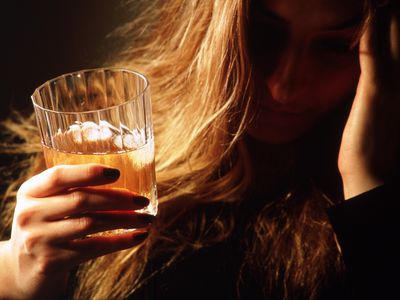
79, 201
25, 218
85, 223
33, 243
55, 174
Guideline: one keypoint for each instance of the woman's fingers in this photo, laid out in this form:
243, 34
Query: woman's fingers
63, 177
38, 254
57, 209
87, 199
380, 48
374, 46
92, 247
82, 226
395, 32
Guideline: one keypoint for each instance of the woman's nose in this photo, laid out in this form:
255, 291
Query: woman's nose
283, 80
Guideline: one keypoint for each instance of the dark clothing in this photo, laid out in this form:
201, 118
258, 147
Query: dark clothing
366, 228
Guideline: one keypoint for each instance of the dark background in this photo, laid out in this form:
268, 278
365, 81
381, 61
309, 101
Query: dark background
41, 39
46, 38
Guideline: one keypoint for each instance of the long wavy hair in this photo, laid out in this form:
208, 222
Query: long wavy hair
195, 54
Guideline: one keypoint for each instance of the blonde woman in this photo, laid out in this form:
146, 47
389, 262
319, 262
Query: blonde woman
268, 116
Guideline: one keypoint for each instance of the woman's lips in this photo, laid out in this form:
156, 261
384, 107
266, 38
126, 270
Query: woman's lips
286, 110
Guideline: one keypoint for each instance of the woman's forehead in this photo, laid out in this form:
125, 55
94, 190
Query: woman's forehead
318, 14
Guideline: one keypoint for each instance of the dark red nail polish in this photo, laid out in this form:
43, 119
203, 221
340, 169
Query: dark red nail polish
111, 173
140, 237
141, 201
145, 218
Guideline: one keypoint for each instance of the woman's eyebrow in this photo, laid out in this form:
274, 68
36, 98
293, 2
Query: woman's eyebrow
261, 10
351, 23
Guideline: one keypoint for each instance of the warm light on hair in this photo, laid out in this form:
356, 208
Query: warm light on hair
194, 54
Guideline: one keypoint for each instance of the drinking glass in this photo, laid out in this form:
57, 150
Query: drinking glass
100, 116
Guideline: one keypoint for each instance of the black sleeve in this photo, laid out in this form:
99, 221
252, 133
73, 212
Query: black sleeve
367, 229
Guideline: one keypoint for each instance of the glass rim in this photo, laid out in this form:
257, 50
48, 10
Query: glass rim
36, 91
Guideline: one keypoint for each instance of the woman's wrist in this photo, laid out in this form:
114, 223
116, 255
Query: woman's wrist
356, 184
7, 286
10, 289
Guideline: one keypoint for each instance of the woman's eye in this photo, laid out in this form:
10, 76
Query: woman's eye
266, 35
269, 32
337, 46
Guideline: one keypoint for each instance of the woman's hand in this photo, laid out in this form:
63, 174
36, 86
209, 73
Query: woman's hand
370, 141
55, 212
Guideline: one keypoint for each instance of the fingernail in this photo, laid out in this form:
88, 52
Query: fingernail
141, 201
140, 237
145, 218
111, 173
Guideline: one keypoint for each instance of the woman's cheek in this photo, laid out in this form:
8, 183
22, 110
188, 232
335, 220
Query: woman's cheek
335, 81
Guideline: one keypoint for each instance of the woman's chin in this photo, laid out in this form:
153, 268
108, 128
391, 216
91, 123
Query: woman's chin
276, 136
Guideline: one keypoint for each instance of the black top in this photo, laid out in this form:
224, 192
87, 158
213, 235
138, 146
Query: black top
366, 228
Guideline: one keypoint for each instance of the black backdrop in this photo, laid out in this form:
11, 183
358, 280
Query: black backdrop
41, 39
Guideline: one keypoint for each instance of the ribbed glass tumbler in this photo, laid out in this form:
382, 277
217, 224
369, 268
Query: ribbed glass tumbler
100, 116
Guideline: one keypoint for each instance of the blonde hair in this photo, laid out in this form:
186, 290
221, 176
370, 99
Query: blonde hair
196, 66
194, 54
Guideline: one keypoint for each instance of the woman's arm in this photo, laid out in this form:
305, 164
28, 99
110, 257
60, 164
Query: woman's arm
7, 283
367, 225
52, 287
370, 143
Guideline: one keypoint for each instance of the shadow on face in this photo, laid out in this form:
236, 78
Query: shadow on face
305, 63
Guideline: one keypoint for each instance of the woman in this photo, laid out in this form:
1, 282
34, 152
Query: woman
250, 100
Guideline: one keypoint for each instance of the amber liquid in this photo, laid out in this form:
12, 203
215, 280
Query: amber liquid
136, 167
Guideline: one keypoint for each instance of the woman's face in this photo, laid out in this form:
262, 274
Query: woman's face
304, 65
